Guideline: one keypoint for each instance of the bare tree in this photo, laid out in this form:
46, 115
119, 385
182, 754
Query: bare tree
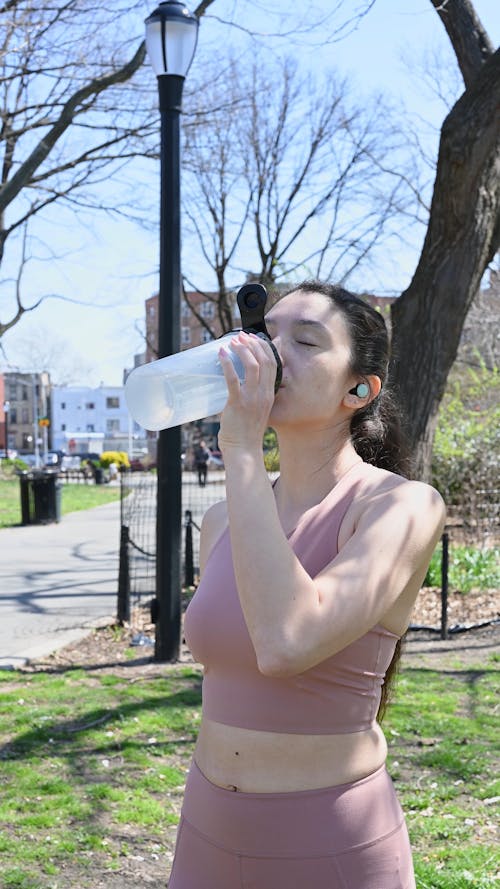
216, 202
279, 158
462, 237
74, 109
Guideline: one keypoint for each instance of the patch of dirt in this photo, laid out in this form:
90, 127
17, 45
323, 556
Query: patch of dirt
473, 628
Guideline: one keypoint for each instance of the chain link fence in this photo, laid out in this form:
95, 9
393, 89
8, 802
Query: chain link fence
137, 573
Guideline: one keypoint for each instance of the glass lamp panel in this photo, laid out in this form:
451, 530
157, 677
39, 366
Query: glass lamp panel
180, 41
180, 44
154, 46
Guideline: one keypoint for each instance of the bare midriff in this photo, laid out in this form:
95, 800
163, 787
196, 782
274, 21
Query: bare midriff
271, 762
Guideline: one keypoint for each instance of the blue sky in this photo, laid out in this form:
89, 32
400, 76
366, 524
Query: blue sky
112, 266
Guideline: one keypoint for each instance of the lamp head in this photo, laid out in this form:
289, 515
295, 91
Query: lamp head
171, 37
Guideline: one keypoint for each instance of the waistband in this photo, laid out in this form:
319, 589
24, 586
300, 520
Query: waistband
319, 822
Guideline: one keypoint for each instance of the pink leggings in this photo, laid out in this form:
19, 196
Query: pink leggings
352, 836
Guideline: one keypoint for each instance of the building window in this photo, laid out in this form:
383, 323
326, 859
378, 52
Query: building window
63, 405
112, 425
151, 311
186, 336
206, 336
12, 391
63, 427
185, 310
25, 393
25, 415
207, 310
90, 427
112, 401
13, 415
90, 406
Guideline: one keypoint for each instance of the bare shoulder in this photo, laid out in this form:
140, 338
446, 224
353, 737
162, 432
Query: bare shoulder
392, 499
213, 524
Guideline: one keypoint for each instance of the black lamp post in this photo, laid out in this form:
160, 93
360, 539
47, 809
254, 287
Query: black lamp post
171, 36
6, 409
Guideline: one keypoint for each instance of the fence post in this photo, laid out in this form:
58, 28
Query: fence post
189, 566
123, 609
444, 586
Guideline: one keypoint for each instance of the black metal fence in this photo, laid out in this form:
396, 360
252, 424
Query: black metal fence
137, 574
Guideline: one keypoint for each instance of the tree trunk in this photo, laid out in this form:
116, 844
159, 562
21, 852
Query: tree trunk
462, 238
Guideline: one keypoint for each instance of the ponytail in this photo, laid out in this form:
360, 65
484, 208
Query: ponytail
377, 435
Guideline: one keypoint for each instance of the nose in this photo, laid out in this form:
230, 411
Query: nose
276, 341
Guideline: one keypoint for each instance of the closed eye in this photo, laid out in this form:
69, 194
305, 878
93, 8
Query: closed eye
304, 343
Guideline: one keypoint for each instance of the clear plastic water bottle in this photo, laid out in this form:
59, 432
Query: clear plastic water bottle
183, 387
191, 385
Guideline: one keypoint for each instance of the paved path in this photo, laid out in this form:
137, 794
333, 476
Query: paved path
56, 581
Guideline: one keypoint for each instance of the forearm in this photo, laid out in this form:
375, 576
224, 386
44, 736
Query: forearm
274, 589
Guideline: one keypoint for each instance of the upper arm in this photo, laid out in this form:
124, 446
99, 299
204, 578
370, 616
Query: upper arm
387, 555
390, 548
213, 524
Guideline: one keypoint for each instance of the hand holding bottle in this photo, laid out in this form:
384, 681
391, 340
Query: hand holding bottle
246, 414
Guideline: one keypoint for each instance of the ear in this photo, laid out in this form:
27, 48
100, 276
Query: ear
358, 398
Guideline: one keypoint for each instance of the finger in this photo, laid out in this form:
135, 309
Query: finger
250, 361
269, 365
228, 369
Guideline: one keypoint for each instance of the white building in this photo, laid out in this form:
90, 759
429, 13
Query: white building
95, 420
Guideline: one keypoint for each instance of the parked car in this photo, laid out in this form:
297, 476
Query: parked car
70, 462
142, 464
53, 459
10, 455
30, 459
88, 455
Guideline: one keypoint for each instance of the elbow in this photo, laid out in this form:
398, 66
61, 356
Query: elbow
276, 662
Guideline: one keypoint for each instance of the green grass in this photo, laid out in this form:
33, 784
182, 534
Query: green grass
86, 763
73, 498
92, 769
469, 568
443, 755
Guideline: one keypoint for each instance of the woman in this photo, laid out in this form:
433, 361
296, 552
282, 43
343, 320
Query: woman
307, 588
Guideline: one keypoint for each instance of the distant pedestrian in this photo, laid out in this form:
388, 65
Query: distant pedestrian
201, 459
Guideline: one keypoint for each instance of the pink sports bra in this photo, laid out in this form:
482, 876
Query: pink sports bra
339, 695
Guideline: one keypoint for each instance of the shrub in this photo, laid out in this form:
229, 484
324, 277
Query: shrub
469, 568
466, 453
118, 457
8, 466
271, 451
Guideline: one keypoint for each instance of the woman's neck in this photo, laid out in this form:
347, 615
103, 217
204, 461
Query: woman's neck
309, 470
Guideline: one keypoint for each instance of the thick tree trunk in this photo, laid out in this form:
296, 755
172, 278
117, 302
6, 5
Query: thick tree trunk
462, 238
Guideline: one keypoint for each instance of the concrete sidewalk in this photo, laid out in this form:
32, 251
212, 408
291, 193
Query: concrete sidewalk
56, 582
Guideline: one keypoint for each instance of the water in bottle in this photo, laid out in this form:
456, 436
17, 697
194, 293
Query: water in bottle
180, 388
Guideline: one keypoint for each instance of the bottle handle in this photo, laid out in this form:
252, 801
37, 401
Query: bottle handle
252, 299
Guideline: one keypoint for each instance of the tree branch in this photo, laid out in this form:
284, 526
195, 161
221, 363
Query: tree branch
12, 188
470, 42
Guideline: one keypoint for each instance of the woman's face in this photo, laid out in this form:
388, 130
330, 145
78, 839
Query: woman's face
313, 341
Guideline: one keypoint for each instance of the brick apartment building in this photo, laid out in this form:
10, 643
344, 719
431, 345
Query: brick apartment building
193, 331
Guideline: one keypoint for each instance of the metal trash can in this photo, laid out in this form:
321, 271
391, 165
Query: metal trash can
40, 496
